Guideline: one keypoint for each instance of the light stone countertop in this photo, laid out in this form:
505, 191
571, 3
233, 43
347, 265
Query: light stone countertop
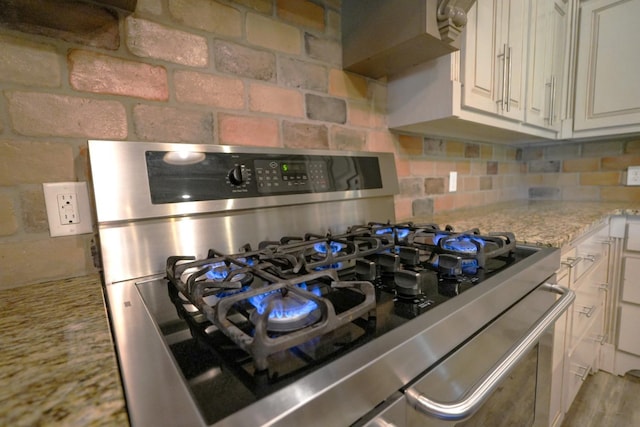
541, 223
57, 360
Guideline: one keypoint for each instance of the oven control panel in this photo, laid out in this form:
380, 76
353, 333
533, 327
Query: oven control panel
195, 176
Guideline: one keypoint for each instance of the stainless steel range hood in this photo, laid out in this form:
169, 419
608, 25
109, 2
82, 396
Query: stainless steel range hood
383, 37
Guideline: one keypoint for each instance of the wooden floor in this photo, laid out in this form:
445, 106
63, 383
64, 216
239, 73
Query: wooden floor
606, 400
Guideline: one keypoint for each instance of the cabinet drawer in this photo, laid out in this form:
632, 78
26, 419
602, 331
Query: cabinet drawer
629, 321
580, 362
586, 309
633, 237
631, 284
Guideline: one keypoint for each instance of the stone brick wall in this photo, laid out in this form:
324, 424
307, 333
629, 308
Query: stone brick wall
593, 171
245, 72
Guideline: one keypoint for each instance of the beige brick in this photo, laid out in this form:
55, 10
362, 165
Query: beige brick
156, 123
267, 32
302, 74
421, 167
8, 221
403, 208
334, 22
470, 183
207, 15
28, 63
304, 135
151, 40
442, 168
463, 168
323, 49
206, 89
485, 183
242, 61
364, 114
486, 151
434, 185
410, 145
301, 13
24, 162
347, 85
264, 6
591, 164
600, 178
276, 100
348, 139
632, 146
620, 194
34, 212
244, 130
57, 258
92, 72
454, 148
40, 114
620, 162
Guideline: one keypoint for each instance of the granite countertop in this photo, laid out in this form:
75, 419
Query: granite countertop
542, 223
57, 360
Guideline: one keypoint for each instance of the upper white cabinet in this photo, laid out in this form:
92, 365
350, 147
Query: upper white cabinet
607, 90
547, 65
494, 57
505, 84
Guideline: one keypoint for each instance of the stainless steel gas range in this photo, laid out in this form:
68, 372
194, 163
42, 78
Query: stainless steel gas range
254, 286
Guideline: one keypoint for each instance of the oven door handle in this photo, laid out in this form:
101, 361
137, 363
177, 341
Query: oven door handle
475, 397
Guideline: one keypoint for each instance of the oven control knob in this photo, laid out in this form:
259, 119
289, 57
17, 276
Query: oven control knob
238, 175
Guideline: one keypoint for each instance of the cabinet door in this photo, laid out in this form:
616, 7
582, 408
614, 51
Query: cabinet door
607, 84
548, 28
494, 51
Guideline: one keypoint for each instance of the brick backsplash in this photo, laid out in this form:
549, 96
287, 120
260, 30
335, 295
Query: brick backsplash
244, 72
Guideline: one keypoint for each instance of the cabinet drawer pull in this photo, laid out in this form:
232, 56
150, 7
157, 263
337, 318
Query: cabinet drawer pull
600, 339
590, 258
603, 287
571, 262
583, 372
587, 311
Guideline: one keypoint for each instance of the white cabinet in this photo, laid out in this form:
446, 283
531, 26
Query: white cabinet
628, 344
588, 261
494, 57
607, 91
548, 31
481, 93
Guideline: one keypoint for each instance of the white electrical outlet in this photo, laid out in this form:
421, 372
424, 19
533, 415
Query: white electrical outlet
68, 209
453, 181
633, 175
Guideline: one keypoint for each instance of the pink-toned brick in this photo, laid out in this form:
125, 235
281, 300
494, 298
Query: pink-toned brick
301, 13
403, 208
403, 167
93, 72
382, 141
422, 167
244, 130
443, 203
207, 89
159, 123
207, 15
28, 63
267, 32
41, 114
365, 114
276, 100
347, 85
151, 40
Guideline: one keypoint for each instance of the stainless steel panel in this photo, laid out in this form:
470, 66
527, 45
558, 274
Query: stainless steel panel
140, 248
122, 193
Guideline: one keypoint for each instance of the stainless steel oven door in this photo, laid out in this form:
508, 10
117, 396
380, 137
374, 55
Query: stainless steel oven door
501, 377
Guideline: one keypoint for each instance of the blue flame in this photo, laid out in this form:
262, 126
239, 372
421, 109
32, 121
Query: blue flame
335, 266
470, 266
459, 243
280, 311
321, 247
401, 232
383, 231
220, 271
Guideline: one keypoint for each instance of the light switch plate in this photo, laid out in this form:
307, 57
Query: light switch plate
68, 208
453, 181
633, 175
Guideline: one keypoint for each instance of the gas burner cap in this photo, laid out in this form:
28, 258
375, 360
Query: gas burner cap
290, 313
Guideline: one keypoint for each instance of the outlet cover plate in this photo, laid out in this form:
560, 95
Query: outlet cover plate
68, 208
453, 181
633, 175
